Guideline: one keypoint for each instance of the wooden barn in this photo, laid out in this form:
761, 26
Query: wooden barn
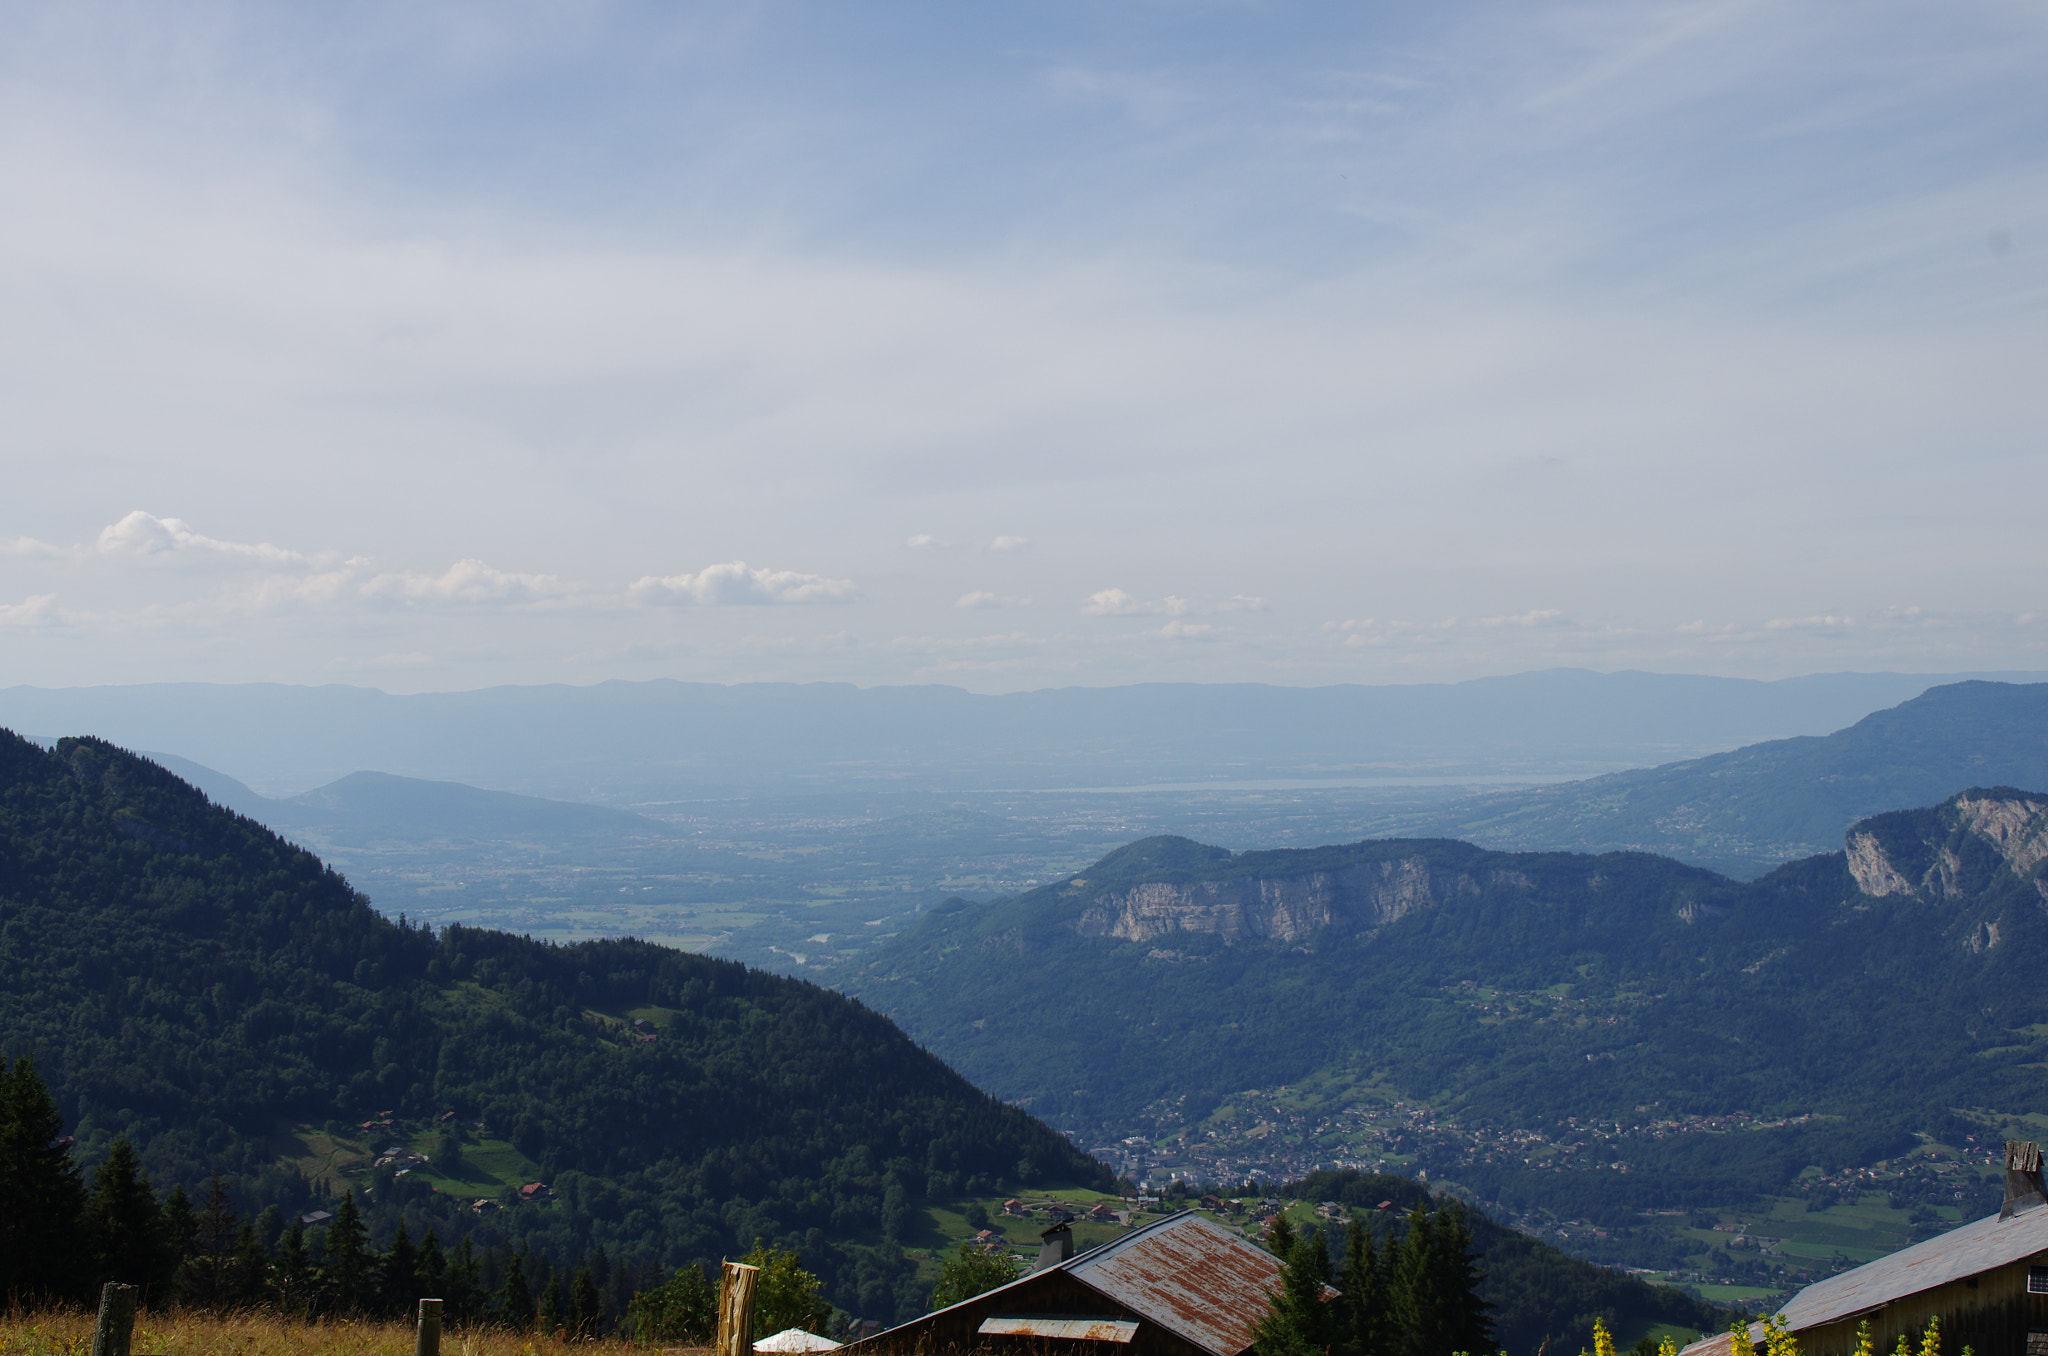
1185, 1286
1987, 1282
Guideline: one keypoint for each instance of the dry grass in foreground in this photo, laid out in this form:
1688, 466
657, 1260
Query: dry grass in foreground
68, 1332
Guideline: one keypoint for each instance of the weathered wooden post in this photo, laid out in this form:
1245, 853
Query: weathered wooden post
116, 1326
428, 1341
736, 1310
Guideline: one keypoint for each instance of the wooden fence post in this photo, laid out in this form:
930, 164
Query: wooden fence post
428, 1342
736, 1310
116, 1327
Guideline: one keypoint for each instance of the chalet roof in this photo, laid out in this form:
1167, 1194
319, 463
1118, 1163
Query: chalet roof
1989, 1243
1188, 1274
1974, 1248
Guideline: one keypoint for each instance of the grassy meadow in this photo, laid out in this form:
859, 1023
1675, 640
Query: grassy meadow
68, 1332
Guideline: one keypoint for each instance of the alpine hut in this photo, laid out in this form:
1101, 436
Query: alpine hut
1987, 1282
1184, 1286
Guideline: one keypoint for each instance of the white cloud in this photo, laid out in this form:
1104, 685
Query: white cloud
1010, 544
466, 581
1823, 623
1118, 603
981, 598
1111, 603
1179, 629
145, 534
734, 584
923, 541
40, 610
1548, 616
29, 547
1363, 624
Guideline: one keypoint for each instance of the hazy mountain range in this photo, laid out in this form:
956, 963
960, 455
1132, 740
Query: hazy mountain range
1745, 811
622, 743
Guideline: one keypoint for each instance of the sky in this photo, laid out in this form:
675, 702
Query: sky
1020, 344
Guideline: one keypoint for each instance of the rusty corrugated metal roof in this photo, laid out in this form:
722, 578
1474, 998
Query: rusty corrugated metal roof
1188, 1274
1976, 1248
1076, 1327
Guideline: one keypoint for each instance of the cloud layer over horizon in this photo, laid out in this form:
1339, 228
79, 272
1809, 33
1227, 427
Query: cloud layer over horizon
444, 345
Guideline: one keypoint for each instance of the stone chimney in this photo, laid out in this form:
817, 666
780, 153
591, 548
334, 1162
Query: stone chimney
2023, 1187
1055, 1246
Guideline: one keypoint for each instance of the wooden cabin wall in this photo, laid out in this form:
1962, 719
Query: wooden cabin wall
1990, 1313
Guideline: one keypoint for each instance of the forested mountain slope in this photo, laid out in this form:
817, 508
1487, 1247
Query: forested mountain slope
187, 978
1748, 810
1879, 988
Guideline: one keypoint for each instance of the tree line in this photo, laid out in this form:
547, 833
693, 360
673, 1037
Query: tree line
62, 1235
1415, 1295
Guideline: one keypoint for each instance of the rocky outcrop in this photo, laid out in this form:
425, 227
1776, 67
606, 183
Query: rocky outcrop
1872, 868
1285, 909
2017, 828
1929, 853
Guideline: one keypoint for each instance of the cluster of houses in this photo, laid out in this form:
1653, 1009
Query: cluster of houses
1060, 1212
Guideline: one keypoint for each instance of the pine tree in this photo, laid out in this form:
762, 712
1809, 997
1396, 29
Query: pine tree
1300, 1320
586, 1312
41, 1197
1280, 1237
464, 1291
553, 1310
515, 1300
1364, 1286
399, 1278
1434, 1297
205, 1278
124, 1225
177, 1231
347, 1270
249, 1269
433, 1267
291, 1280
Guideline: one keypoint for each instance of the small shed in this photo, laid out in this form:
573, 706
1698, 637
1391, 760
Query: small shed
1987, 1282
796, 1339
1184, 1286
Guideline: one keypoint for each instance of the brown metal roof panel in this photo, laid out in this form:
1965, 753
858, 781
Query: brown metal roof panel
1189, 1275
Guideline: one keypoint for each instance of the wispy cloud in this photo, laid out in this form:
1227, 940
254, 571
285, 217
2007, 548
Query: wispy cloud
40, 610
734, 584
145, 534
982, 598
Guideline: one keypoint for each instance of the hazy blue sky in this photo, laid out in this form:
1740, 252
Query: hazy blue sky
1013, 344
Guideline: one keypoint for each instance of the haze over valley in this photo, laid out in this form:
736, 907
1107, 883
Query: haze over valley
638, 633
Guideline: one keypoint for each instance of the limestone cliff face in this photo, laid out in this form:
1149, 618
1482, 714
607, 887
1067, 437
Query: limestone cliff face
1931, 859
1872, 868
2017, 828
1284, 909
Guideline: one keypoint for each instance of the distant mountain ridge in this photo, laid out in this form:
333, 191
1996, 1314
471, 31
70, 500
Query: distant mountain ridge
623, 743
189, 979
1745, 811
1518, 988
368, 807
